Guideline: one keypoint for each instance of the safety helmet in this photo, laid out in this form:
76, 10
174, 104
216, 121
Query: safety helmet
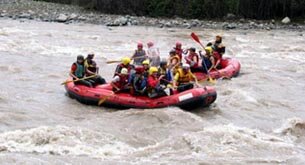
145, 62
153, 69
80, 57
90, 56
140, 45
150, 44
172, 52
185, 66
126, 60
163, 63
208, 49
139, 69
178, 44
192, 49
124, 71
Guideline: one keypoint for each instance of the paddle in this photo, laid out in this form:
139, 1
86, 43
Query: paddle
196, 38
116, 61
78, 79
112, 61
102, 100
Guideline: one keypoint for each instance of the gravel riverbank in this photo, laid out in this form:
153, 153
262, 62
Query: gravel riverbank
52, 12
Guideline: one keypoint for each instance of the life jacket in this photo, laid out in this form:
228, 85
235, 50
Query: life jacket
80, 70
120, 67
179, 52
139, 57
217, 56
184, 77
138, 83
175, 57
167, 75
206, 62
90, 66
123, 81
220, 50
152, 82
161, 71
190, 57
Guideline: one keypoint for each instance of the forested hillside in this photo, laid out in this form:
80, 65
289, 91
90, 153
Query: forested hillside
256, 9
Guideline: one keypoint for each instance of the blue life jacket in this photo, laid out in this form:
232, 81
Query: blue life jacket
80, 70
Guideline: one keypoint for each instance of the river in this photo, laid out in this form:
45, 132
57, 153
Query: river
258, 117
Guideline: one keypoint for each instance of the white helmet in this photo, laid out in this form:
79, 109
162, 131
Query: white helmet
124, 71
185, 66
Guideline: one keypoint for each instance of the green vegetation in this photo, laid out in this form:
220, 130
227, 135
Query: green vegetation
257, 9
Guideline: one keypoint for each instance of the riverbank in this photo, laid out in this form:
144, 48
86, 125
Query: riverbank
51, 12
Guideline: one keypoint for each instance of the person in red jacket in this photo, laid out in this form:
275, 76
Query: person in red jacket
193, 60
124, 64
154, 88
178, 49
218, 51
120, 82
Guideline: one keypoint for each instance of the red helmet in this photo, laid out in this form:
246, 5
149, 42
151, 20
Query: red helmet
178, 44
140, 45
139, 69
150, 44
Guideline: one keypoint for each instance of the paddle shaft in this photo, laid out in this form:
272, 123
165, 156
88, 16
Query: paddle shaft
196, 38
116, 61
78, 79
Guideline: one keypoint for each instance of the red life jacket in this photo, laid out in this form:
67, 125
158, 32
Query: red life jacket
191, 57
179, 52
217, 56
123, 81
120, 67
152, 82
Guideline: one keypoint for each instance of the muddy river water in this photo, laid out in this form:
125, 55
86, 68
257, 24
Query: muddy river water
258, 117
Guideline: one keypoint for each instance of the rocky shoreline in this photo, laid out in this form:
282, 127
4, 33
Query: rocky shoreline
51, 12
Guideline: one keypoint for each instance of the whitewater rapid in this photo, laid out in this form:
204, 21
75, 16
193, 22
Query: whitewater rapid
258, 117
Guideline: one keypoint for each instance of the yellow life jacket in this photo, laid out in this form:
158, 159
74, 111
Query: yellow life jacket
175, 57
91, 66
184, 77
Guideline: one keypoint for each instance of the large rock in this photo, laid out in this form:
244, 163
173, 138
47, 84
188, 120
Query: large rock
230, 16
286, 20
62, 18
229, 25
24, 15
121, 21
168, 24
73, 16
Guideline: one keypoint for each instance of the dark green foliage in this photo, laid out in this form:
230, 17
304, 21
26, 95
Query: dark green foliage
258, 9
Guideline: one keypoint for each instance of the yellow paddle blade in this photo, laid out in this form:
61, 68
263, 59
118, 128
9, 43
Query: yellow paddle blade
101, 101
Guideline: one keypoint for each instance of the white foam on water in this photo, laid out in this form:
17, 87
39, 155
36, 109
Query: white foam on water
242, 39
61, 140
219, 143
293, 127
230, 141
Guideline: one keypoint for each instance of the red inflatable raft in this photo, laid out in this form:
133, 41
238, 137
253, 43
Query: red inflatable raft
190, 99
230, 68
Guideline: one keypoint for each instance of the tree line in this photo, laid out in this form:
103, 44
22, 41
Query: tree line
199, 9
